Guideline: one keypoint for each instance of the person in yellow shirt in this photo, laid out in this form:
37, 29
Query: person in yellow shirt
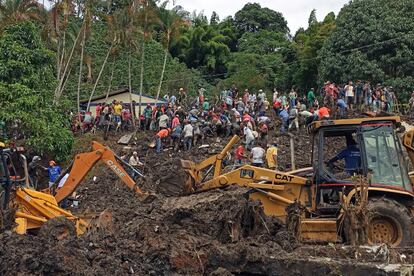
117, 112
271, 156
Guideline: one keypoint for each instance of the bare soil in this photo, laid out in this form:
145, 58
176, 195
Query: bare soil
219, 232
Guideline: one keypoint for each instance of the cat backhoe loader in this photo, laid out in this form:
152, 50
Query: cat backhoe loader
325, 188
33, 209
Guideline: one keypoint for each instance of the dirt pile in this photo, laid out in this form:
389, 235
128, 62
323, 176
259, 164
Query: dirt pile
218, 232
188, 235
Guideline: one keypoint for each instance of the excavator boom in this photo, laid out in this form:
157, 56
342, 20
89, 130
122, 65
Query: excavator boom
84, 162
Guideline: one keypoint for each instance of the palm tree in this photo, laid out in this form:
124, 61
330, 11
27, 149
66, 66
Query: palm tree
171, 22
87, 21
126, 34
113, 40
148, 18
12, 11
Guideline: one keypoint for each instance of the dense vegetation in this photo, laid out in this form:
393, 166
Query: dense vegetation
26, 81
83, 48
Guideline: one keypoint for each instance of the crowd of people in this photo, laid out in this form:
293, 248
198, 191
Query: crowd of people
182, 123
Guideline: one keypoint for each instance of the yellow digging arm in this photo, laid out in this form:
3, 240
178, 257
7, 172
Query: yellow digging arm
214, 162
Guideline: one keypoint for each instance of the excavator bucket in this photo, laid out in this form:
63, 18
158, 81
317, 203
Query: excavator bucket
98, 222
190, 168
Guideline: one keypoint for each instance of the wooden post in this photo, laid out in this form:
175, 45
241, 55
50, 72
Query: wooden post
292, 151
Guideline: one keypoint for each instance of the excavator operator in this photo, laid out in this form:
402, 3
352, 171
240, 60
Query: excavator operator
352, 156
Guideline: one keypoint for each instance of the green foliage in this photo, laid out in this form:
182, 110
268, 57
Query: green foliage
26, 86
374, 40
253, 18
308, 44
177, 74
204, 47
261, 63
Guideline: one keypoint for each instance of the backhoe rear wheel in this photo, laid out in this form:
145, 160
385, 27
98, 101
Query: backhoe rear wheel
389, 222
58, 228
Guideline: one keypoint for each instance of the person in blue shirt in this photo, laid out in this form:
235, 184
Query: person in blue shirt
284, 116
352, 156
54, 172
342, 106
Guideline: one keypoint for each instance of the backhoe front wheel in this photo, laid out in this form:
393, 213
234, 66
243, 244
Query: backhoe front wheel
389, 222
58, 228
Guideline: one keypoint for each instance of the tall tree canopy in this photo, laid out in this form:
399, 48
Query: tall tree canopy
26, 81
253, 18
373, 40
308, 44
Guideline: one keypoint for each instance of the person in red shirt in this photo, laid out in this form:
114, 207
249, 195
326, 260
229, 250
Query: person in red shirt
126, 117
263, 129
246, 96
246, 117
98, 111
161, 135
323, 113
175, 122
239, 156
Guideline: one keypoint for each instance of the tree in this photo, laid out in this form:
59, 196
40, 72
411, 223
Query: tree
171, 22
308, 44
203, 47
373, 40
147, 19
14, 11
312, 18
26, 84
214, 19
253, 18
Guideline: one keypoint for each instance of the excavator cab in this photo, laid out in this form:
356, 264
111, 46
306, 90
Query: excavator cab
13, 171
347, 148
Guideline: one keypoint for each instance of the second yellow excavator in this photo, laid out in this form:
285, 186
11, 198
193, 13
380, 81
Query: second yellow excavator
35, 209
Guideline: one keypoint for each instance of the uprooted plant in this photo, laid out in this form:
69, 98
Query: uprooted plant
354, 219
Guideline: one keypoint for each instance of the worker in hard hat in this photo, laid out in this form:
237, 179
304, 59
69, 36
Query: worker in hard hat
54, 172
33, 168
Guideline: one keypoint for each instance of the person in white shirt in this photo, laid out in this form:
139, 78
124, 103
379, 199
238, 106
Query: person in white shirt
248, 133
275, 95
257, 155
188, 135
134, 160
349, 94
163, 121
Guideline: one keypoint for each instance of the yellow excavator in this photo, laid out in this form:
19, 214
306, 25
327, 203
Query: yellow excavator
35, 209
329, 184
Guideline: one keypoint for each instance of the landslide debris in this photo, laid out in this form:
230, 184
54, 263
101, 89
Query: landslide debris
218, 232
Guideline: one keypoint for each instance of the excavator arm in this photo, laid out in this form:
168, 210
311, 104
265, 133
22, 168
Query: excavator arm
274, 189
211, 164
84, 162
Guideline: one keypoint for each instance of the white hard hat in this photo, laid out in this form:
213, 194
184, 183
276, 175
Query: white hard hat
36, 158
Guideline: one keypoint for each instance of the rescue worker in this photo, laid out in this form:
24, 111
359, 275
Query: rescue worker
134, 160
34, 170
271, 156
256, 156
239, 156
161, 135
187, 135
54, 172
176, 135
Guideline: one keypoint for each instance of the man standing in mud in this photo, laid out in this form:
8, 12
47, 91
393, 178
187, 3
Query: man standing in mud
271, 156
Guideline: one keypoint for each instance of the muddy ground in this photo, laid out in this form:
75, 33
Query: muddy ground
218, 232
